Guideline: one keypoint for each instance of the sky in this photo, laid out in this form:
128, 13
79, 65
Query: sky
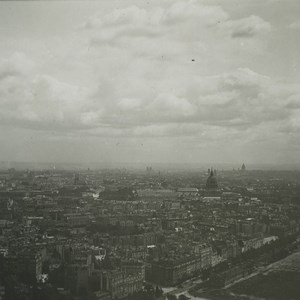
187, 81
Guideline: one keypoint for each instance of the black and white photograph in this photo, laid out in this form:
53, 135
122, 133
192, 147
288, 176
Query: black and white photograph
150, 150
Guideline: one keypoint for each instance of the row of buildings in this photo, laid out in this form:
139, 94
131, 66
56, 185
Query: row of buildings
104, 234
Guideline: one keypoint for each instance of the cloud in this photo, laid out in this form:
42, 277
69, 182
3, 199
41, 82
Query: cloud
126, 22
294, 25
247, 27
136, 22
164, 47
187, 11
182, 22
36, 100
170, 72
236, 100
15, 66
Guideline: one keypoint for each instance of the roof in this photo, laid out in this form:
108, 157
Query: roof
188, 190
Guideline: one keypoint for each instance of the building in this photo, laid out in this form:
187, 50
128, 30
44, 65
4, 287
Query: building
120, 283
76, 179
187, 192
252, 243
26, 263
99, 295
211, 182
76, 277
205, 254
169, 272
77, 219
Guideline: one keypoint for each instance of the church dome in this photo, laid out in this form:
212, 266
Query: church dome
211, 182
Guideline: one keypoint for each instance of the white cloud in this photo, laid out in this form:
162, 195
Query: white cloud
38, 101
295, 25
190, 11
130, 104
181, 69
16, 65
238, 99
247, 27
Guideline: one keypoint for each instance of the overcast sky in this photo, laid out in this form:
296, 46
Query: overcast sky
150, 81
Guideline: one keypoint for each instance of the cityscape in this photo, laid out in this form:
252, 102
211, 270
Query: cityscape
149, 234
150, 150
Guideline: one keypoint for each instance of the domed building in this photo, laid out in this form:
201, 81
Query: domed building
211, 182
211, 191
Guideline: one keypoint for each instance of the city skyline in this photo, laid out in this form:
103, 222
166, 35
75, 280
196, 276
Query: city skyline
138, 82
133, 166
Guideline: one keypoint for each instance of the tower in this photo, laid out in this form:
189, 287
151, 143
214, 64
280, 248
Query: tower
76, 179
211, 182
